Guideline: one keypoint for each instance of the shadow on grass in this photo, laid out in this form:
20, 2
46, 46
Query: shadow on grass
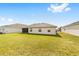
57, 35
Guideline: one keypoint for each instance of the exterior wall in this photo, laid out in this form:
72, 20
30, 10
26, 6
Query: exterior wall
34, 30
72, 31
43, 30
10, 30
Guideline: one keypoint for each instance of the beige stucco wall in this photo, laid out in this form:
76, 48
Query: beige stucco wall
44, 30
72, 31
34, 30
10, 30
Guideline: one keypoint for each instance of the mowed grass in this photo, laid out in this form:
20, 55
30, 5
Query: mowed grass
39, 45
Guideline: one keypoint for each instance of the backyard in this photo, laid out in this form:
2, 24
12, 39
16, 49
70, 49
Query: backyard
39, 45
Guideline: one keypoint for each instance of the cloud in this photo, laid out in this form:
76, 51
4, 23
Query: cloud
10, 20
2, 18
6, 19
55, 8
68, 9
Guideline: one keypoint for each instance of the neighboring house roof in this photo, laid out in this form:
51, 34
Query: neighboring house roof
42, 25
17, 25
74, 25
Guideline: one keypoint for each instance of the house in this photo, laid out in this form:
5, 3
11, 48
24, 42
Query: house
38, 28
42, 28
14, 28
72, 28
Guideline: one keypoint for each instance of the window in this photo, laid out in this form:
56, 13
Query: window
31, 30
39, 30
49, 30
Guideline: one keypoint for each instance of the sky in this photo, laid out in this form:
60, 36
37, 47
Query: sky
58, 14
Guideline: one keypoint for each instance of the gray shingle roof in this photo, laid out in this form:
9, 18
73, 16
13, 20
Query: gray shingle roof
43, 25
17, 25
74, 25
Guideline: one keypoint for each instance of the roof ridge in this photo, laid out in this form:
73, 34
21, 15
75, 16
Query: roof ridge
42, 25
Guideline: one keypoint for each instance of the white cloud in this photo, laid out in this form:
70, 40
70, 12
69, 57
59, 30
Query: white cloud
55, 8
6, 19
2, 18
10, 20
68, 9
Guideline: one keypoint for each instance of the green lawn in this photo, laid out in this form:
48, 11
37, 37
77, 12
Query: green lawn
39, 45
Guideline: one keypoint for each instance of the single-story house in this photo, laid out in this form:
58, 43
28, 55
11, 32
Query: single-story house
38, 28
72, 28
14, 28
42, 28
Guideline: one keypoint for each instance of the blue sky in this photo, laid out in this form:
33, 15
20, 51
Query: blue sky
29, 13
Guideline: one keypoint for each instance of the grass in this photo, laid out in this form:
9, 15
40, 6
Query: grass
39, 45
